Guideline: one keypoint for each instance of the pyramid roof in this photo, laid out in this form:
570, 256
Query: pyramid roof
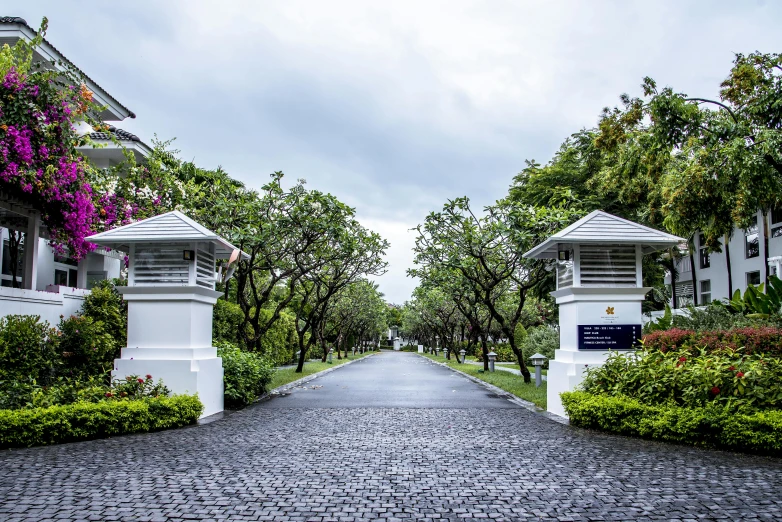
602, 227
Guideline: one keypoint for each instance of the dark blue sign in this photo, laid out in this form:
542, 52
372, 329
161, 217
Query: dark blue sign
608, 336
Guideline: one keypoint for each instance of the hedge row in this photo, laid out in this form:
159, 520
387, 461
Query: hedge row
753, 340
85, 421
712, 427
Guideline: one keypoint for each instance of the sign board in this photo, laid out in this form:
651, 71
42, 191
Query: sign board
608, 336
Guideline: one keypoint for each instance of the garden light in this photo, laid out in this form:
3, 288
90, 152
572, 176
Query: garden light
331, 351
537, 362
492, 359
463, 353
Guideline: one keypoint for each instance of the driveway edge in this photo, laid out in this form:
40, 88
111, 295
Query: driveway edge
285, 387
507, 395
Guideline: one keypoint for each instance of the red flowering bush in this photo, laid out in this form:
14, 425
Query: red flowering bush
751, 340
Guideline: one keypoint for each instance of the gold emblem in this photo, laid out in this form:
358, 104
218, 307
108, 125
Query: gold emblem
610, 310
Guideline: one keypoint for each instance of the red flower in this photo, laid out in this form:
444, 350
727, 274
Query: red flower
140, 380
732, 368
715, 391
740, 375
149, 377
682, 359
108, 394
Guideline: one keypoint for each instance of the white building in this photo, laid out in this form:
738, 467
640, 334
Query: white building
52, 285
747, 263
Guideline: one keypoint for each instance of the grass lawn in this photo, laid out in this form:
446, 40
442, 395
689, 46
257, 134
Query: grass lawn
286, 375
507, 381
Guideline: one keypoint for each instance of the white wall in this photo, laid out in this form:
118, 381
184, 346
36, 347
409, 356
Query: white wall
48, 305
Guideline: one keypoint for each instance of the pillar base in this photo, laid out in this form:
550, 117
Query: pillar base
202, 376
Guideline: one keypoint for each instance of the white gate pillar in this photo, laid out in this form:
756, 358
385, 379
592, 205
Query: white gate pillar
599, 293
171, 296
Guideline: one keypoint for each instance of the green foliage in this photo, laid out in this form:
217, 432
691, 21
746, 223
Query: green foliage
503, 351
661, 323
227, 319
105, 304
246, 375
85, 421
279, 343
711, 426
755, 302
28, 349
544, 340
28, 394
87, 346
735, 380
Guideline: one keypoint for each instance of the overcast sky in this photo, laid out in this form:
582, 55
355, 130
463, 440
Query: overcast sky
393, 107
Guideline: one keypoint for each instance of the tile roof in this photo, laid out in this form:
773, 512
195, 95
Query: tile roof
121, 135
21, 21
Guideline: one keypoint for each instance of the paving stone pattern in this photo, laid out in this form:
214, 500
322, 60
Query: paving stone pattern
308, 463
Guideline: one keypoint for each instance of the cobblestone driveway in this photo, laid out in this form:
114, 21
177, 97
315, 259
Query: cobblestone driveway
274, 462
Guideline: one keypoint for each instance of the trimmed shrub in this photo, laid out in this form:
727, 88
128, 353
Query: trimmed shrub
226, 321
503, 351
28, 349
711, 426
544, 340
246, 375
691, 378
85, 421
87, 346
105, 304
753, 340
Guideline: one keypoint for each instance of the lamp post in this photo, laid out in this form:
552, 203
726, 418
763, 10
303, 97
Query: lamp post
331, 351
492, 358
537, 362
463, 353
447, 351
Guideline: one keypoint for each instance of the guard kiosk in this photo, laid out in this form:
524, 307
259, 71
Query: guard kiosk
171, 295
599, 292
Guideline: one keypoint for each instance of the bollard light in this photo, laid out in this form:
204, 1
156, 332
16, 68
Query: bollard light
446, 351
537, 362
492, 359
331, 351
463, 353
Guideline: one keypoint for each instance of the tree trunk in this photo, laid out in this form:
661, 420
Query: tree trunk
727, 262
302, 354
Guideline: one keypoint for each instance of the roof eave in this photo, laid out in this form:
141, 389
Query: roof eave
116, 110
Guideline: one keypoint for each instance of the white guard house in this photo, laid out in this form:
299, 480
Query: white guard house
599, 292
171, 295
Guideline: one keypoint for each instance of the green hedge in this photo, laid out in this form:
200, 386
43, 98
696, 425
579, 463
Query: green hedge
85, 421
711, 426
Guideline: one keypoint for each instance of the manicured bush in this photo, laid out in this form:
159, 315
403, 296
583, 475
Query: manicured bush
711, 426
503, 351
246, 375
543, 340
691, 378
28, 349
753, 340
105, 304
84, 421
226, 321
87, 346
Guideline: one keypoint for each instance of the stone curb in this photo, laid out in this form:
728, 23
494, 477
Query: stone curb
507, 395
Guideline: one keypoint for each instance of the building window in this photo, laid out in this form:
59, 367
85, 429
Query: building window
776, 222
751, 242
753, 278
65, 273
705, 292
705, 256
6, 278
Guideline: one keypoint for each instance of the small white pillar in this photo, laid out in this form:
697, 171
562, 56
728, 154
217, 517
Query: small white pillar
171, 296
599, 293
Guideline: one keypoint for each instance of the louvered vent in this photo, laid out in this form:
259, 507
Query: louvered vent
157, 265
608, 265
205, 265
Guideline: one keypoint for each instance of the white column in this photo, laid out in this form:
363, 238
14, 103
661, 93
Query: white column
30, 278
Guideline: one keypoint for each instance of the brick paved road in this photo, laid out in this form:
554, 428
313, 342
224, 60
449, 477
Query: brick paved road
453, 457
